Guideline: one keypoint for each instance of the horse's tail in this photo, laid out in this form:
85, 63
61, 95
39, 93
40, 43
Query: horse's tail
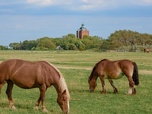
135, 76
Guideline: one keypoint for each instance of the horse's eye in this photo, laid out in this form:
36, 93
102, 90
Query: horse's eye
64, 98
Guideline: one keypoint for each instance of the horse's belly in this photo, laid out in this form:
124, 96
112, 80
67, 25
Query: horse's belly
25, 83
114, 75
26, 78
120, 76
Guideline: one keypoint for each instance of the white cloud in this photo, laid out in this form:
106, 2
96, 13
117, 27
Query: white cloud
10, 2
148, 2
76, 4
106, 4
49, 2
89, 4
40, 2
79, 4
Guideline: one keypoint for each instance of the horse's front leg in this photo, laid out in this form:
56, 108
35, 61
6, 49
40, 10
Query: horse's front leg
104, 91
37, 103
9, 94
1, 85
43, 89
131, 89
112, 84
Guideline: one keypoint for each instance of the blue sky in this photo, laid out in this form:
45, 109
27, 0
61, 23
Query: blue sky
32, 19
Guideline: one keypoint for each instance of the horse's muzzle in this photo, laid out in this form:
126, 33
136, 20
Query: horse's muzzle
65, 112
91, 90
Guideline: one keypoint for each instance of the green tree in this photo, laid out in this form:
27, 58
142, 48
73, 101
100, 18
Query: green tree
91, 42
15, 45
145, 39
28, 45
3, 47
45, 44
125, 38
106, 45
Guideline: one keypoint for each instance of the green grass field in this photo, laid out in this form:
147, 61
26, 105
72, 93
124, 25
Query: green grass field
76, 67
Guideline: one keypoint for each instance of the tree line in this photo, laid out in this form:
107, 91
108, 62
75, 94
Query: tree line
121, 40
68, 42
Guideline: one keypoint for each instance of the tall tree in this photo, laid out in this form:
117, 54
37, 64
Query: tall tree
45, 44
144, 39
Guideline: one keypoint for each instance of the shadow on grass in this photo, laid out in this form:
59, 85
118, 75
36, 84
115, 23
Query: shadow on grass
95, 92
4, 105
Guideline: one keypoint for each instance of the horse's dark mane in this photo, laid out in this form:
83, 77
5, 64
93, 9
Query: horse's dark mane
94, 68
103, 60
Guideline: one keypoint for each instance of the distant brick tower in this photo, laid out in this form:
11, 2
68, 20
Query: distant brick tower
81, 32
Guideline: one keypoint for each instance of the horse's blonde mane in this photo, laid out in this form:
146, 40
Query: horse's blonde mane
56, 69
63, 86
62, 83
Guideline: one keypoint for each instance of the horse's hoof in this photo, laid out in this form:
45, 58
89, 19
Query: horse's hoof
65, 112
36, 107
45, 110
91, 91
103, 92
128, 94
115, 91
13, 107
134, 91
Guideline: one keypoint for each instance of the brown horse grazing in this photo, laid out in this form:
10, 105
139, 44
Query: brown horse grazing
146, 50
114, 70
28, 75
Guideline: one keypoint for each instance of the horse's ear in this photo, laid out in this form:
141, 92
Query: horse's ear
64, 91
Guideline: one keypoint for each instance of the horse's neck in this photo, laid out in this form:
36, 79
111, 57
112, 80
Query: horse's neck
60, 85
59, 82
94, 75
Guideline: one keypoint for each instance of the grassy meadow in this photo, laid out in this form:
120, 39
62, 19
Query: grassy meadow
76, 67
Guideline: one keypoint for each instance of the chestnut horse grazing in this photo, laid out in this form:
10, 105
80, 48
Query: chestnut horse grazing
114, 70
27, 75
146, 50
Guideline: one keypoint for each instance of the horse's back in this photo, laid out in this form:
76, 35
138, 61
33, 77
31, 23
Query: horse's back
25, 74
5, 69
112, 69
125, 63
116, 69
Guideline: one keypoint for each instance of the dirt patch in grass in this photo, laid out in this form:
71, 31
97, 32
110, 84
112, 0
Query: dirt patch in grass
145, 72
69, 67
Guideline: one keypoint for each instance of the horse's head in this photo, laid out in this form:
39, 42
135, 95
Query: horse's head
92, 84
63, 101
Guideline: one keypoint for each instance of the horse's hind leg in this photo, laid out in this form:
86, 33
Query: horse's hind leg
132, 89
9, 94
112, 84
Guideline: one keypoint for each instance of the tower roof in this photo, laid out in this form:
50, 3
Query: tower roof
82, 27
